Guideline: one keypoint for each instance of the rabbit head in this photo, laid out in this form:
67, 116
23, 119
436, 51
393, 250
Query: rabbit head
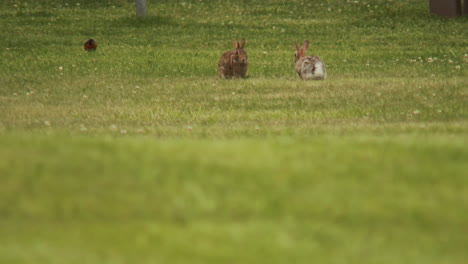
301, 51
240, 53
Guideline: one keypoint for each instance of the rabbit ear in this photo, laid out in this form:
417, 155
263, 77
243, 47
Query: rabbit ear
242, 44
298, 48
306, 45
236, 44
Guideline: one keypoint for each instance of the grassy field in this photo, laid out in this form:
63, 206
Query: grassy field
139, 153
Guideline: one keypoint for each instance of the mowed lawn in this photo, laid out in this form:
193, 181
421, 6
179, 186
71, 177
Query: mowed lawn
139, 153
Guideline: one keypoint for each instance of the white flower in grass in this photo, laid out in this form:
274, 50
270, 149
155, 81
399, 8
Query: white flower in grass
458, 67
60, 68
83, 128
430, 60
416, 112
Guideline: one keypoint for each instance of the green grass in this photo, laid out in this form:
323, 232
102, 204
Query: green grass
139, 153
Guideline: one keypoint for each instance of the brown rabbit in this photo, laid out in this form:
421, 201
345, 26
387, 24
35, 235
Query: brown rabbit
234, 63
309, 67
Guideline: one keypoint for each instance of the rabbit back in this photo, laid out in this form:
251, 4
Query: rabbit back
225, 64
311, 68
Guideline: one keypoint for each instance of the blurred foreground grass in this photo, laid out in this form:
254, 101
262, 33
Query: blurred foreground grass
108, 200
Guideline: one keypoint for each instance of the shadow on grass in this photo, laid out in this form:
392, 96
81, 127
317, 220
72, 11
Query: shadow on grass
147, 21
35, 14
151, 21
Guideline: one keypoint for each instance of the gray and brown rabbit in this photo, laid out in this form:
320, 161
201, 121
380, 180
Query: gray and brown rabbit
234, 63
309, 67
